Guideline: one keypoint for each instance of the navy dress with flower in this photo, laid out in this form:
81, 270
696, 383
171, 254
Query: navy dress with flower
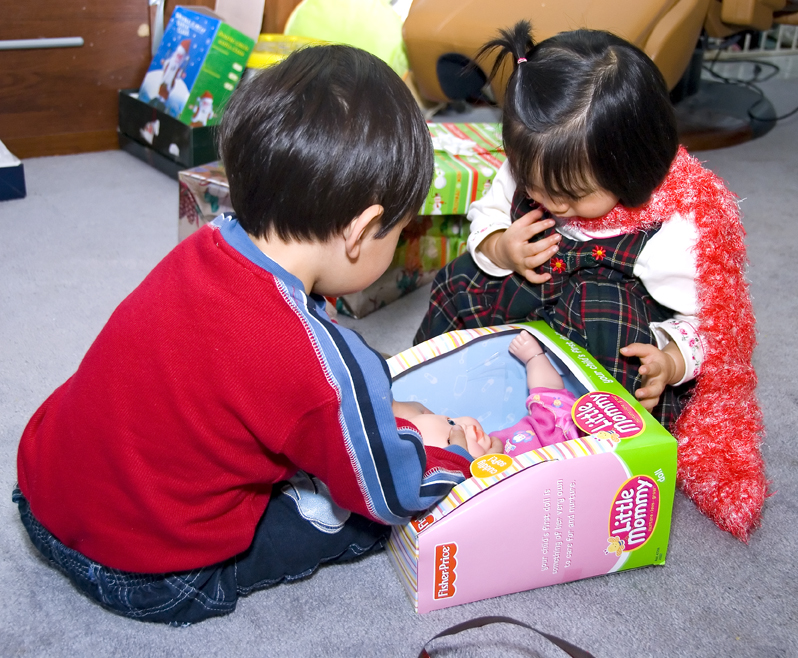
592, 298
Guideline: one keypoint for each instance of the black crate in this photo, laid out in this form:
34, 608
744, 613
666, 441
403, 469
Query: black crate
172, 145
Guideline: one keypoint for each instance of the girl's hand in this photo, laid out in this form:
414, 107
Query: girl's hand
660, 368
512, 249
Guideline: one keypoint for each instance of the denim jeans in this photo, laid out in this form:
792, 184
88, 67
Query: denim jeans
286, 547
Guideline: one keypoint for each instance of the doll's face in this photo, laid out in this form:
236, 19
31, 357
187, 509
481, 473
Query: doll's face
435, 430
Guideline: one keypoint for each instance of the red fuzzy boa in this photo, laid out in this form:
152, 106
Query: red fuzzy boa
719, 432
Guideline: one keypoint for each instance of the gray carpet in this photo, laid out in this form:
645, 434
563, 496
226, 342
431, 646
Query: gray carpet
91, 228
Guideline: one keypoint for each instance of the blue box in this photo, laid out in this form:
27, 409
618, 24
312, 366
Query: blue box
12, 176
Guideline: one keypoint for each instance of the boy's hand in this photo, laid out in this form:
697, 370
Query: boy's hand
512, 249
496, 446
457, 437
660, 368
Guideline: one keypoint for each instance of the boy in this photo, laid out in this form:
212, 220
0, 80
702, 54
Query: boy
168, 475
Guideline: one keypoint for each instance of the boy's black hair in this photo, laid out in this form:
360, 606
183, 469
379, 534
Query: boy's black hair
585, 110
310, 143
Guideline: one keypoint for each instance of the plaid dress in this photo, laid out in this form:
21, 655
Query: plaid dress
592, 298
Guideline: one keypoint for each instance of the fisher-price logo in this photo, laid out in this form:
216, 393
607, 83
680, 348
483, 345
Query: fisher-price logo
445, 570
421, 523
634, 513
604, 412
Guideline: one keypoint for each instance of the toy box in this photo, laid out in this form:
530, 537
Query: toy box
580, 508
425, 245
197, 66
467, 156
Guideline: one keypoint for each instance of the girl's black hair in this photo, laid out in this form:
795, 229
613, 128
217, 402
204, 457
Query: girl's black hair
585, 110
310, 143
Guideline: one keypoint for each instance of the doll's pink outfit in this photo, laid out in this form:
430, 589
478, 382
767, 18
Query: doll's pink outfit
549, 421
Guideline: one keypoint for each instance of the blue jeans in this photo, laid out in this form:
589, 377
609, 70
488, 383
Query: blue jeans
287, 546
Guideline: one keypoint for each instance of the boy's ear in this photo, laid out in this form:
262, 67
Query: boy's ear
359, 229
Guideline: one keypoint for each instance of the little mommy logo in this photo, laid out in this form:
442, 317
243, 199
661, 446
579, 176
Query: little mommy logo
605, 412
633, 515
445, 570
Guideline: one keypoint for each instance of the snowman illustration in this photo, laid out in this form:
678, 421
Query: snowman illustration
437, 205
203, 110
440, 179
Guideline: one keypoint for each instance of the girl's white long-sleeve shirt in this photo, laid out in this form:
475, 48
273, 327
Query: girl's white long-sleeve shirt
666, 265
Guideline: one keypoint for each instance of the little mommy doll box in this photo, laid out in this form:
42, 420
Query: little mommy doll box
581, 508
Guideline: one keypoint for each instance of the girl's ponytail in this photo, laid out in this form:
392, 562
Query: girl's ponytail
516, 41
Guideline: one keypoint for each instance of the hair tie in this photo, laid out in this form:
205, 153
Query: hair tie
520, 60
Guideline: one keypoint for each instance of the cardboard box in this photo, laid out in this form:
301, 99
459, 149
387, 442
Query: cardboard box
162, 140
197, 66
12, 175
577, 509
467, 157
425, 245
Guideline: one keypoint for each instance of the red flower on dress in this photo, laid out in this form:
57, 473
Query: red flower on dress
558, 265
599, 252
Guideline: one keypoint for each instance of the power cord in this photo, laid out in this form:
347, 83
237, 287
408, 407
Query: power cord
751, 82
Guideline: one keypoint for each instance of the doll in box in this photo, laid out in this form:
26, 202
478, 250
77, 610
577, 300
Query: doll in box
549, 403
548, 420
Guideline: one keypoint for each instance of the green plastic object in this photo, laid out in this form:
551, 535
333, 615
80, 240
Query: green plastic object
372, 25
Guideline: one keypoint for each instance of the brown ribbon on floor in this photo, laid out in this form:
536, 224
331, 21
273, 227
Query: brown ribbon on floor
478, 622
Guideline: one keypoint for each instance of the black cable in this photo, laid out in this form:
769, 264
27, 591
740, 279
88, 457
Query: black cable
758, 64
750, 84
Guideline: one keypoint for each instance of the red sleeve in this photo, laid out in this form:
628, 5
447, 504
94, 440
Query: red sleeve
440, 458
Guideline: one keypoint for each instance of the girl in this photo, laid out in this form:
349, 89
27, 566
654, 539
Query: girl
601, 225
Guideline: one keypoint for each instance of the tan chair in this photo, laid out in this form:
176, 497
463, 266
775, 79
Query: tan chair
442, 35
725, 17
